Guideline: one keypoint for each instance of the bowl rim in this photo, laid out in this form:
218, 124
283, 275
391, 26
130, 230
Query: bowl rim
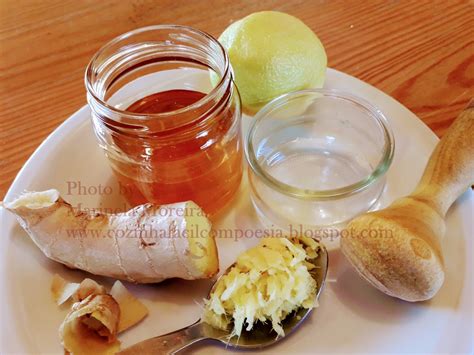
307, 194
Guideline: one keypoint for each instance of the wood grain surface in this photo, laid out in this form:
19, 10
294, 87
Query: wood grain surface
420, 52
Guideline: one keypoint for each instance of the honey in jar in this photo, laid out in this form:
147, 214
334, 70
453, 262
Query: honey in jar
206, 170
171, 145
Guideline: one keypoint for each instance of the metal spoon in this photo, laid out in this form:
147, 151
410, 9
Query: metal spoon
260, 336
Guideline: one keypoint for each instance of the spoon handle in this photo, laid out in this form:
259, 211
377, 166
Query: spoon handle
450, 170
169, 343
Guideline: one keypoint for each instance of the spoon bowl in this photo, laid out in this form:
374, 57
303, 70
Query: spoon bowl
260, 336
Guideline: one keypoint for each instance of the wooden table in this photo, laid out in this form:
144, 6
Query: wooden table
419, 52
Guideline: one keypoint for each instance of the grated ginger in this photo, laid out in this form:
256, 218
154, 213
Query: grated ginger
266, 283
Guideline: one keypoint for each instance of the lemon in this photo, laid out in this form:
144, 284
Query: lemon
273, 53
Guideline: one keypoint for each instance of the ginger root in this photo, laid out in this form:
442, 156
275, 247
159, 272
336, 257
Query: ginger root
146, 244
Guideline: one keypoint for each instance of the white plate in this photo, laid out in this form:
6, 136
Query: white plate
353, 317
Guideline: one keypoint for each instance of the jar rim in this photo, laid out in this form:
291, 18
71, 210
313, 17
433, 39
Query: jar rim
307, 194
213, 94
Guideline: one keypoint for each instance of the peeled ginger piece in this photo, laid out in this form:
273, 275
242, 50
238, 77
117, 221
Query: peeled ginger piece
266, 283
132, 310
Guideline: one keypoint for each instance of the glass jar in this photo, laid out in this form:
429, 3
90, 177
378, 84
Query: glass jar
317, 158
190, 148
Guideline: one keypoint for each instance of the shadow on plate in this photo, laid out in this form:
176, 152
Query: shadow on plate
363, 299
368, 302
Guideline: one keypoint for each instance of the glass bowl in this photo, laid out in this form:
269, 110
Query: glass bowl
317, 158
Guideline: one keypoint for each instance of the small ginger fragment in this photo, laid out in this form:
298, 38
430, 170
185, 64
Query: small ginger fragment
91, 326
88, 287
62, 290
132, 310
